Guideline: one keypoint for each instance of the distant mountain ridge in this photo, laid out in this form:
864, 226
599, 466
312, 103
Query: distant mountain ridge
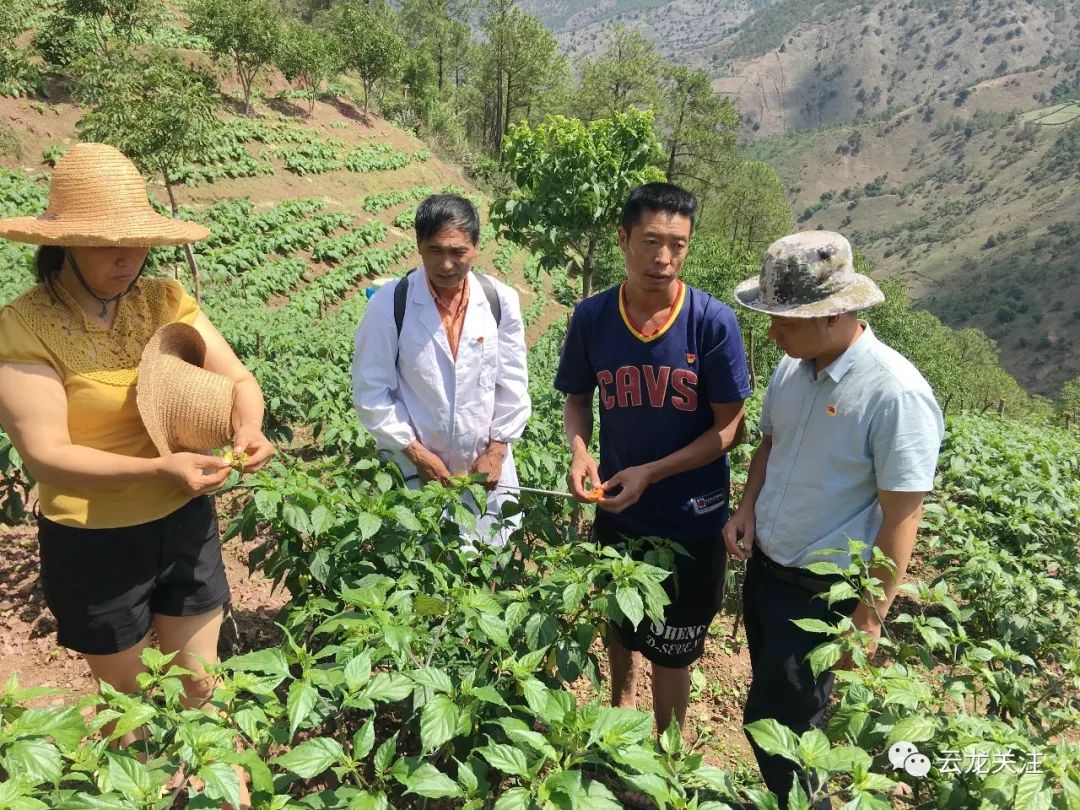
938, 135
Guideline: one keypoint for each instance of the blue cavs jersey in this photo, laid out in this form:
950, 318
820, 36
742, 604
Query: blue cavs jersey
655, 395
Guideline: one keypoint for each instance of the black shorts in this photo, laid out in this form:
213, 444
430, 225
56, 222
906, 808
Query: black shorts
696, 590
104, 585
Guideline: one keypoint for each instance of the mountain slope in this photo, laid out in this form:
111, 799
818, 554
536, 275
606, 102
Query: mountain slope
973, 199
683, 30
836, 61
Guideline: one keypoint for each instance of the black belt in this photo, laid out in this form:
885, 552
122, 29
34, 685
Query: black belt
798, 577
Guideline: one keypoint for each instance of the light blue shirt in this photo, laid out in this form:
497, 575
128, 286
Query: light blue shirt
867, 422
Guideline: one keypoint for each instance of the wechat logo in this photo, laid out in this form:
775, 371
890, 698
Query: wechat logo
905, 756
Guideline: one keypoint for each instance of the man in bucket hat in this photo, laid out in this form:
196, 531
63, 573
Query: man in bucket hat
850, 436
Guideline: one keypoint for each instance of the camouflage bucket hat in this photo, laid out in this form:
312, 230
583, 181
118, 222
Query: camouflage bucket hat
809, 275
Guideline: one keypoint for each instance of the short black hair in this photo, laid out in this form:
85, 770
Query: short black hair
664, 198
441, 210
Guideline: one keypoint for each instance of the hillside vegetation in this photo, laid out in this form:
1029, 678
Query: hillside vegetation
971, 199
686, 31
802, 64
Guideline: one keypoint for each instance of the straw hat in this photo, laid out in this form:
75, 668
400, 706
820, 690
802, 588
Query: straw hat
97, 198
182, 405
809, 275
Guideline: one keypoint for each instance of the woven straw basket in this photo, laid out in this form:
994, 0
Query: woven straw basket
182, 405
97, 198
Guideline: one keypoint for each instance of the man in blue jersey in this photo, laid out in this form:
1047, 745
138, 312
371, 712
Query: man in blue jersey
667, 363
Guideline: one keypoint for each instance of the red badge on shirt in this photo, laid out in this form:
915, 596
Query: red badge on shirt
691, 358
830, 410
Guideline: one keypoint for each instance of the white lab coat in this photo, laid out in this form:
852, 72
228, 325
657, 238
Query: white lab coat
453, 408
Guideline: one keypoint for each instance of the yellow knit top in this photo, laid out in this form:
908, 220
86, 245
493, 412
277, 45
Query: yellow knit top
99, 368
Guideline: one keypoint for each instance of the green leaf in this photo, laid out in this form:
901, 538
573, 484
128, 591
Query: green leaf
301, 700
427, 605
629, 601
915, 728
296, 518
616, 727
357, 672
505, 758
868, 801
716, 779
671, 740
429, 781
813, 747
270, 661
657, 787
774, 738
814, 626
406, 519
438, 721
126, 774
321, 520
154, 659
367, 525
135, 717
312, 757
36, 761
467, 779
1033, 793
824, 656
433, 678
386, 753
797, 798
363, 741
514, 799
494, 628
221, 782
389, 687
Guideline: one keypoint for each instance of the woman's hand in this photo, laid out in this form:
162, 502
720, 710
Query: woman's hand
195, 473
259, 449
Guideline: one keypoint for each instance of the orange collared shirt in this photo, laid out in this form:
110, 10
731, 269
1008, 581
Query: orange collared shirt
453, 322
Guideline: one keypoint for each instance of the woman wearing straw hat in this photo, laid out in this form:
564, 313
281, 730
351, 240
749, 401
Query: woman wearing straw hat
128, 539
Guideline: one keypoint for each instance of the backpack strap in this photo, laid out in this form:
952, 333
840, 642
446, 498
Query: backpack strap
401, 297
492, 297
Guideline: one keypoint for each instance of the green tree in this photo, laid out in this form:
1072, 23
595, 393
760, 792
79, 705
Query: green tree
627, 74
1069, 400
697, 126
306, 57
157, 112
572, 179
747, 203
368, 41
441, 27
246, 32
717, 265
520, 61
115, 24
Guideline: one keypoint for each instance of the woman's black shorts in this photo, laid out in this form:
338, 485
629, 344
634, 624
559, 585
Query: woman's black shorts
104, 585
696, 591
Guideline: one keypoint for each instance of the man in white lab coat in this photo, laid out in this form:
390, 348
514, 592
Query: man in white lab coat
439, 369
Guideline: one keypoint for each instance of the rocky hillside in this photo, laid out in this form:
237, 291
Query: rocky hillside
688, 31
802, 64
973, 198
